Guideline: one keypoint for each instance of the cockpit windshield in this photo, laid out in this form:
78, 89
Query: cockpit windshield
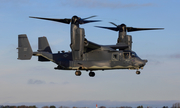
133, 54
129, 54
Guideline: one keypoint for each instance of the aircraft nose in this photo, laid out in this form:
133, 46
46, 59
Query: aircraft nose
145, 61
142, 63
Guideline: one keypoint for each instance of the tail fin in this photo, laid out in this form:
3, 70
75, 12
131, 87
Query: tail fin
24, 48
43, 46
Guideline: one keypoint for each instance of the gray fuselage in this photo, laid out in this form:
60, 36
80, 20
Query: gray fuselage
100, 60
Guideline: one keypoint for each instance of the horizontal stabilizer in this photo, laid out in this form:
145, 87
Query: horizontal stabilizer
24, 48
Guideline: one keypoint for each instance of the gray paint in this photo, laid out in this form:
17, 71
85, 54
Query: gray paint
24, 48
86, 55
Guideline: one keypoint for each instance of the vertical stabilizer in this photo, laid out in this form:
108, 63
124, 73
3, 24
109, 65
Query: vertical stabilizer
24, 48
43, 45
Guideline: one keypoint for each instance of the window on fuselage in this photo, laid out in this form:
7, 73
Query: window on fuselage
126, 55
115, 56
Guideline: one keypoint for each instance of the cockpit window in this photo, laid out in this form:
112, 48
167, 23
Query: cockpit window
129, 54
133, 54
115, 56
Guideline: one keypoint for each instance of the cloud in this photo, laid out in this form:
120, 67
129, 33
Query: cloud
32, 81
175, 56
65, 83
102, 4
52, 83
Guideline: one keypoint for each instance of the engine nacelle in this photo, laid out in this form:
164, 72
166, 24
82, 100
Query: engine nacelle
129, 41
77, 42
125, 39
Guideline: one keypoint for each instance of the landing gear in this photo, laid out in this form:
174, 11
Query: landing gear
78, 73
91, 74
138, 72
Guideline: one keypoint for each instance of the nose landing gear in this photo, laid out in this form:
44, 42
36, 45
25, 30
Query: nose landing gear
138, 72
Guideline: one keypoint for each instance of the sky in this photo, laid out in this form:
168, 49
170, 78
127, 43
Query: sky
32, 82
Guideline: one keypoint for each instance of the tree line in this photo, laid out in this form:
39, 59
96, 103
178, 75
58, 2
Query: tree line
175, 105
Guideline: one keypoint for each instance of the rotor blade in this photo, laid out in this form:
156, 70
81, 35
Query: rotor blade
110, 28
66, 21
90, 17
113, 24
88, 21
131, 29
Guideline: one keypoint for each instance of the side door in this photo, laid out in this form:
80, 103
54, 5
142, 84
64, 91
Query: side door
114, 59
126, 59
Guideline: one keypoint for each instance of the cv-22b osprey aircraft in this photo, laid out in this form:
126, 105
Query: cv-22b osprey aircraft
84, 54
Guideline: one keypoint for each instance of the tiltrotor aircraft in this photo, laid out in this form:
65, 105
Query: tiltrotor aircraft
86, 55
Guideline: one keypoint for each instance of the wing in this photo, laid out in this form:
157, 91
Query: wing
118, 46
89, 46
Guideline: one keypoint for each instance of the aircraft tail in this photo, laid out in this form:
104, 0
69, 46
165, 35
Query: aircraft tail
43, 46
24, 48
